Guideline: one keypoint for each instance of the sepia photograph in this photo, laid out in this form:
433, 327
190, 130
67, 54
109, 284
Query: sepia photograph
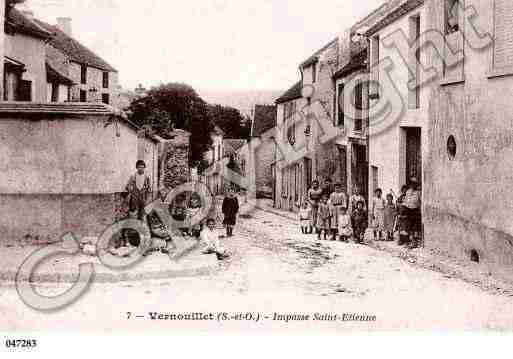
276, 166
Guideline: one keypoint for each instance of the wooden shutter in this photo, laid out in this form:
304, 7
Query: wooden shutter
503, 27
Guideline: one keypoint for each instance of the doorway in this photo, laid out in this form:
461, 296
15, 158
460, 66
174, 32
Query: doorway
413, 154
360, 169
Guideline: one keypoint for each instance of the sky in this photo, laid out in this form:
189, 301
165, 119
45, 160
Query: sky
216, 45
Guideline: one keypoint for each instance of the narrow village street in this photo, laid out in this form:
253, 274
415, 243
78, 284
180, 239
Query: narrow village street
275, 269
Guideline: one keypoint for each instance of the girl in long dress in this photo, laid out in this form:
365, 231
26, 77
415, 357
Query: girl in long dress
378, 214
345, 228
323, 218
338, 201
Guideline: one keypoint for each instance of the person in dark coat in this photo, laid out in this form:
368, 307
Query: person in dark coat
230, 209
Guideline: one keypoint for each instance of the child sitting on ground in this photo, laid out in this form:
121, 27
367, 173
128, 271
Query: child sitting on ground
345, 229
210, 239
305, 218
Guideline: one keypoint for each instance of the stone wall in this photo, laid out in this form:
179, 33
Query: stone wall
62, 173
174, 160
468, 197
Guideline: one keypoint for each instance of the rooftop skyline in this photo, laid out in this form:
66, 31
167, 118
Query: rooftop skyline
215, 45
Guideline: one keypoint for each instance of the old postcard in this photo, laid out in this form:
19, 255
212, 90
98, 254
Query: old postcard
169, 166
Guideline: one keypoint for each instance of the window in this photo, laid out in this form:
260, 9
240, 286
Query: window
243, 167
314, 73
451, 16
83, 74
284, 183
374, 90
451, 147
105, 79
503, 27
83, 96
340, 115
105, 98
414, 93
358, 104
55, 92
290, 123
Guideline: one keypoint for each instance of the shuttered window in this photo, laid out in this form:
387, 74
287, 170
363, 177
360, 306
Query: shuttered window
503, 49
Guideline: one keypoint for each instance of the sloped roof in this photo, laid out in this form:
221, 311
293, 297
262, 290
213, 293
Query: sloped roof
292, 93
17, 22
73, 48
55, 76
394, 13
264, 119
357, 62
315, 57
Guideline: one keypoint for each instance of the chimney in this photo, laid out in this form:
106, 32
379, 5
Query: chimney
64, 24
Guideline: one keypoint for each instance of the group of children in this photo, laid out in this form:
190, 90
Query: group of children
333, 214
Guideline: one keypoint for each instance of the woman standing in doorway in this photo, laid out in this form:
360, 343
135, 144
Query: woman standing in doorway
230, 209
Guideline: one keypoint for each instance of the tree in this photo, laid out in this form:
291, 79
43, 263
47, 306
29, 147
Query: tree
175, 105
230, 120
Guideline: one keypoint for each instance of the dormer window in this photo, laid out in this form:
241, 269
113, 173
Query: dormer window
314, 73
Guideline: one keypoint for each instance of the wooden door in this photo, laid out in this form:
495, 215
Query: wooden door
413, 154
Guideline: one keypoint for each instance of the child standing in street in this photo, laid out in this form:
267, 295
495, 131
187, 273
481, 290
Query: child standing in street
305, 218
389, 219
230, 209
345, 229
338, 200
323, 218
359, 221
378, 214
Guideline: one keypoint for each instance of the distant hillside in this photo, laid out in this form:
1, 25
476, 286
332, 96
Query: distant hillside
244, 101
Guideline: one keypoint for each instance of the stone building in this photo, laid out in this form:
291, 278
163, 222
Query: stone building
398, 143
213, 174
93, 79
264, 151
25, 77
468, 192
64, 167
317, 142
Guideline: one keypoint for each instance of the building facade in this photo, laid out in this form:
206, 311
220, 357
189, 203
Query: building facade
92, 78
263, 147
468, 189
398, 138
65, 167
